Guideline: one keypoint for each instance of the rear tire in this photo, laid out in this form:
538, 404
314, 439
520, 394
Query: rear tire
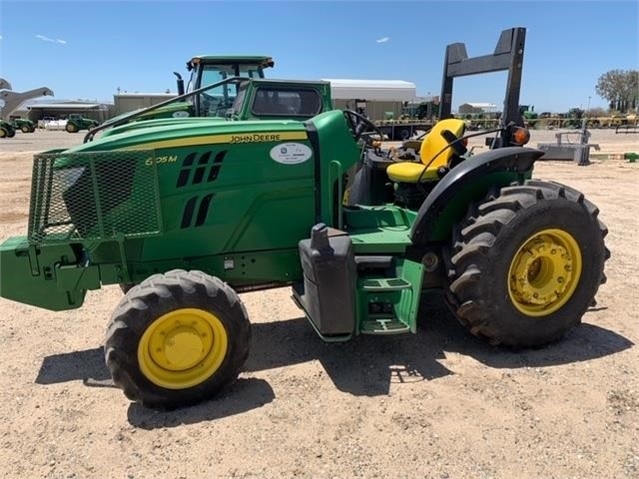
4, 133
526, 263
404, 134
177, 339
25, 129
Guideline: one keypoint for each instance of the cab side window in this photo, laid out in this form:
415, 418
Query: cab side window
293, 102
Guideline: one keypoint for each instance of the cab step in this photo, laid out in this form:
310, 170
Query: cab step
383, 326
379, 285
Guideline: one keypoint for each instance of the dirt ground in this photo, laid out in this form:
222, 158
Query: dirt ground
439, 404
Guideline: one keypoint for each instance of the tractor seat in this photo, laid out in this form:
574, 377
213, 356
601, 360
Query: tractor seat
434, 142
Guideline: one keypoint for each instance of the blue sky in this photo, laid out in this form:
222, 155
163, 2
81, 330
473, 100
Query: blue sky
87, 49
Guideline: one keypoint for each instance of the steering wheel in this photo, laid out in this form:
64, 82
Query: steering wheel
207, 102
212, 104
358, 124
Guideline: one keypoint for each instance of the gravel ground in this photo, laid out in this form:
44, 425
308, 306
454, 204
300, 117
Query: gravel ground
439, 404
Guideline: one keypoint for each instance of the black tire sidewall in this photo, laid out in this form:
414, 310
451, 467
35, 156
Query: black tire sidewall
139, 320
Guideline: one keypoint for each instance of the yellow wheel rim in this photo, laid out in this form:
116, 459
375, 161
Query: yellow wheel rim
544, 273
183, 348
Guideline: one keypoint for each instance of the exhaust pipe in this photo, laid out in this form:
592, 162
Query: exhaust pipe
180, 83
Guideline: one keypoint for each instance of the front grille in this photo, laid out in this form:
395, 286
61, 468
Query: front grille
96, 196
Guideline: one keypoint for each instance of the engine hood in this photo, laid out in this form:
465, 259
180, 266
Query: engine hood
167, 134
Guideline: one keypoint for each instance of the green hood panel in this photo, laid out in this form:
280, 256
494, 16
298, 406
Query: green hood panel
181, 132
136, 125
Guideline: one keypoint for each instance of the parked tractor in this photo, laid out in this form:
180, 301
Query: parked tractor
24, 125
209, 69
186, 214
6, 129
77, 122
205, 70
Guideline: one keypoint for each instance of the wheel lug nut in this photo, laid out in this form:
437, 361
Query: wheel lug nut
560, 279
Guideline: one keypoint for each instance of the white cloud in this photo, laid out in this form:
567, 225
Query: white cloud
51, 40
383, 39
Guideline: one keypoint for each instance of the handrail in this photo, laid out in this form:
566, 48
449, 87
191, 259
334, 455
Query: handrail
340, 192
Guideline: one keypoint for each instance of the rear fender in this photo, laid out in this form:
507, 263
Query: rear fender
467, 182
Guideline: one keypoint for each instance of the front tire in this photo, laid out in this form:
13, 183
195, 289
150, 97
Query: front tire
177, 339
526, 264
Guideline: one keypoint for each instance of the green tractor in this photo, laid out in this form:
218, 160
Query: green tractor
77, 122
529, 114
24, 125
256, 99
209, 69
6, 129
186, 214
205, 70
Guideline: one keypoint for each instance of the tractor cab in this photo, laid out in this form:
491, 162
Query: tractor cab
214, 73
209, 69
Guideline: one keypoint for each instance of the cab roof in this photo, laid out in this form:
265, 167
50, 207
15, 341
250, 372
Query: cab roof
263, 61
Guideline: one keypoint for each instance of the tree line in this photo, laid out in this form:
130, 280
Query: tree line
620, 88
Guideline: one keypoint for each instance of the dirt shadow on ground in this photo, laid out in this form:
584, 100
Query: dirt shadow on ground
87, 365
244, 395
365, 366
368, 365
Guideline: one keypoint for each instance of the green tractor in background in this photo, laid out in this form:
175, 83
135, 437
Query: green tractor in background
24, 125
186, 214
6, 129
529, 114
205, 70
77, 122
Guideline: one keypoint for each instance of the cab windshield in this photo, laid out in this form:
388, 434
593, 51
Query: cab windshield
217, 101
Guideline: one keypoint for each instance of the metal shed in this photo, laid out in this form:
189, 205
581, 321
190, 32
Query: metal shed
383, 98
